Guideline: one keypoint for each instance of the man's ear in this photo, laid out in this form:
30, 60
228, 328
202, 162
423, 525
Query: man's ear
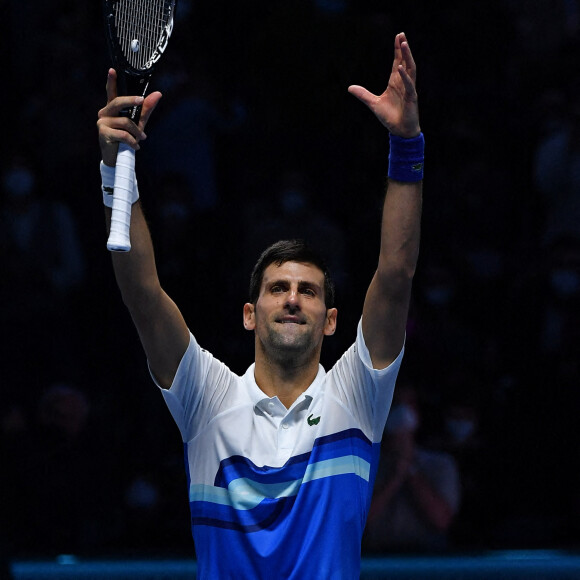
249, 316
330, 324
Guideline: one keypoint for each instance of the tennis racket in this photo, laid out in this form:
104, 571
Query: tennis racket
137, 32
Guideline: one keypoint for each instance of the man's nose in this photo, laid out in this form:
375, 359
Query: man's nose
293, 299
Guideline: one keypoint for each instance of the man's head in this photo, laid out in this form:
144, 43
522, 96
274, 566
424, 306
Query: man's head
290, 251
289, 308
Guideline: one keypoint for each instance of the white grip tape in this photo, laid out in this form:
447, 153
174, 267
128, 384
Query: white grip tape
119, 240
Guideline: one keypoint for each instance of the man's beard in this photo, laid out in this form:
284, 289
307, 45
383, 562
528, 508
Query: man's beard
288, 348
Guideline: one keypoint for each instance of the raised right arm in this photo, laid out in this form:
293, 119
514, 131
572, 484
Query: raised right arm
160, 325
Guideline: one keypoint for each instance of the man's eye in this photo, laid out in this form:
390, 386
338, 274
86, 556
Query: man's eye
276, 289
309, 292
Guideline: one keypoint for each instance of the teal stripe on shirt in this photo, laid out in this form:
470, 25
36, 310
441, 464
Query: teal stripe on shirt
245, 494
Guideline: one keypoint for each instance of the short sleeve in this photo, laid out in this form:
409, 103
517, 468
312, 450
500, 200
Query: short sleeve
192, 395
366, 391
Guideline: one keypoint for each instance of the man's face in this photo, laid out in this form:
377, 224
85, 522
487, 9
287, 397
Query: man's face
290, 317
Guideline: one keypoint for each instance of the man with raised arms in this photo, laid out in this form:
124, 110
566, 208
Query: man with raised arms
281, 461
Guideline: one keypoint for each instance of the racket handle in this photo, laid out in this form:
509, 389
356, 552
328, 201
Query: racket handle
119, 240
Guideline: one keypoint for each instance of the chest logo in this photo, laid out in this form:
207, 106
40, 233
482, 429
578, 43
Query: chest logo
312, 421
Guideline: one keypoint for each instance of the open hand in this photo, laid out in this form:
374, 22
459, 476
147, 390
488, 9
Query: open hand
397, 107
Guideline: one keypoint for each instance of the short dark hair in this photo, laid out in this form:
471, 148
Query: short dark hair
290, 251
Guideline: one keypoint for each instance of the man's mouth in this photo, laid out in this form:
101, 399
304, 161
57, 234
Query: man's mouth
289, 319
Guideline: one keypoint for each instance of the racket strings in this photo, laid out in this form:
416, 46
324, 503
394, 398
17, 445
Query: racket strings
143, 27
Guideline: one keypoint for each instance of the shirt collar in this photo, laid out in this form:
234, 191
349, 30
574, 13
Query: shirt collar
260, 399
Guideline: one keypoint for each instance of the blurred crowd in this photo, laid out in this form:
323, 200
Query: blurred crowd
257, 139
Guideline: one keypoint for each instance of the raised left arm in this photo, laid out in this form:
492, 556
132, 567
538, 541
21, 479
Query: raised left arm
387, 301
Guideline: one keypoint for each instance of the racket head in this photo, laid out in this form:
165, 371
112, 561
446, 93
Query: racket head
138, 32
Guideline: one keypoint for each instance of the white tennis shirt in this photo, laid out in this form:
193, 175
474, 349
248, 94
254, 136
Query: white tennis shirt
275, 492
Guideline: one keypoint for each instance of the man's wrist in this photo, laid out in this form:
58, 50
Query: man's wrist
409, 133
108, 185
406, 158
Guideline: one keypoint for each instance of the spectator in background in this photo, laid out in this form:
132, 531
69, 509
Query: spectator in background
417, 491
539, 437
62, 471
557, 164
39, 234
464, 440
43, 266
442, 333
546, 306
561, 315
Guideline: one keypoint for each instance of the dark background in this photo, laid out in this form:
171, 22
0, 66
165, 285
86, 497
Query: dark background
256, 138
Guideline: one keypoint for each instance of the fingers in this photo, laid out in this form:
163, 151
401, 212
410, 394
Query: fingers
114, 129
363, 95
116, 104
111, 85
396, 108
113, 108
120, 129
149, 104
408, 59
399, 38
403, 56
409, 84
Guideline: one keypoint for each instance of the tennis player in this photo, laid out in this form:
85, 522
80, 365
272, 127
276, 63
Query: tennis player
281, 461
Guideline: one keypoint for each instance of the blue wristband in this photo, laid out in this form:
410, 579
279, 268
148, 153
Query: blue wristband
406, 158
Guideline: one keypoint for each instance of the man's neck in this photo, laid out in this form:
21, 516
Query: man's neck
288, 381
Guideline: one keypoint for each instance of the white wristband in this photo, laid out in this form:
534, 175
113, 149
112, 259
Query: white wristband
108, 185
